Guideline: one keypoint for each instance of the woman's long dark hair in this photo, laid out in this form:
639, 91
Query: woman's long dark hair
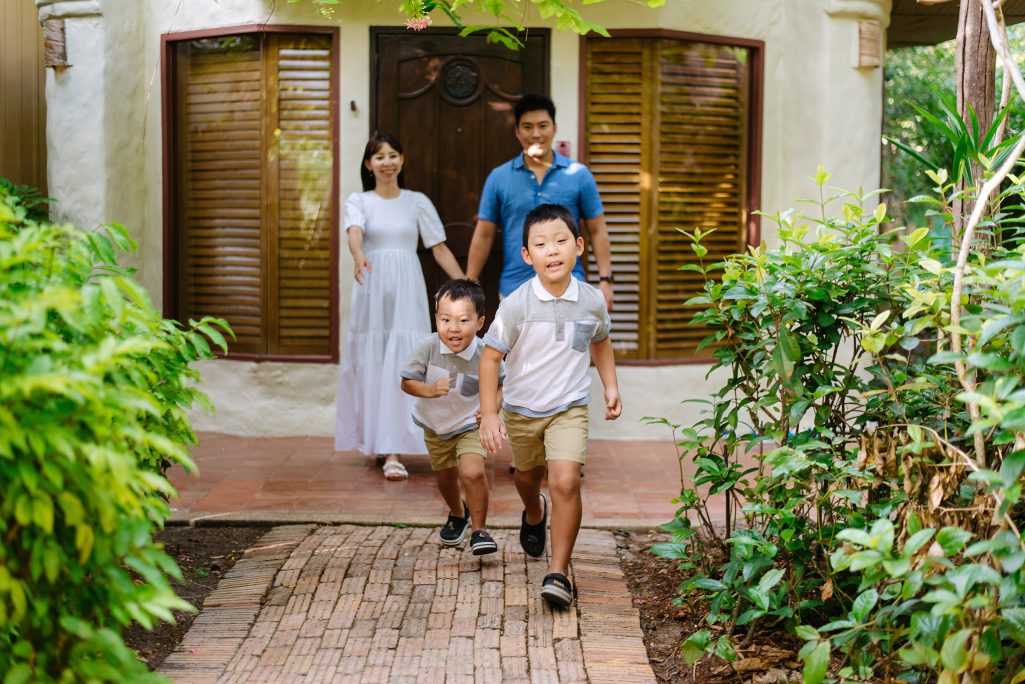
377, 140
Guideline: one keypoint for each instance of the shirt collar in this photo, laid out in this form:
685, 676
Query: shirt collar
466, 354
571, 294
558, 161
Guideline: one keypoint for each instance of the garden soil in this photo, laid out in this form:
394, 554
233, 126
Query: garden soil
204, 555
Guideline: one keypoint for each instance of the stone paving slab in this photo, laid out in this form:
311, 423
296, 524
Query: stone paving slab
389, 604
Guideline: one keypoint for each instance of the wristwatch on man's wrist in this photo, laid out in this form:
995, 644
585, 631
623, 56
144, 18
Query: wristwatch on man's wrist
606, 278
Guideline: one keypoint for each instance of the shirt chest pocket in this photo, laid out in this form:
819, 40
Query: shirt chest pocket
435, 373
470, 386
583, 331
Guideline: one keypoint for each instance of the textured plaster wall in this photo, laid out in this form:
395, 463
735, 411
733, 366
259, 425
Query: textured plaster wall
75, 156
94, 122
817, 109
125, 122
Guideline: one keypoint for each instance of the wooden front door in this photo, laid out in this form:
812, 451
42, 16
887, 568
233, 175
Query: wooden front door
449, 101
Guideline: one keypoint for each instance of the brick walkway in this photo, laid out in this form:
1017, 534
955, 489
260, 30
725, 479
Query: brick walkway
389, 604
362, 598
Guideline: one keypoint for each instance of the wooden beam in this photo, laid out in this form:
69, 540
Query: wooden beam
55, 49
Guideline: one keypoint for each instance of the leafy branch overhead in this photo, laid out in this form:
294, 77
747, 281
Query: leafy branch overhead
507, 18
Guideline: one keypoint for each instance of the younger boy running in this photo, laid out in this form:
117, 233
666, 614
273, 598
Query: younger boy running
545, 330
442, 372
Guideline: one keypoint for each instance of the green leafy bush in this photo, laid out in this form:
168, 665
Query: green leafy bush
92, 411
869, 525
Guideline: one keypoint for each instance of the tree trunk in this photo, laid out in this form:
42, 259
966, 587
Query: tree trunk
976, 86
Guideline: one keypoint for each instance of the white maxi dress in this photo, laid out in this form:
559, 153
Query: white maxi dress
389, 316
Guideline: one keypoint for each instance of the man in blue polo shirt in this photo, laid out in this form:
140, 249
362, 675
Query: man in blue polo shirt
538, 176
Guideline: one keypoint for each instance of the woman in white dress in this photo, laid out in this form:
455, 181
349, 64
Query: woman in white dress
389, 307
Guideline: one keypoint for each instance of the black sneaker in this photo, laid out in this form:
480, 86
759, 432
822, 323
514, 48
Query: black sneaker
533, 537
481, 543
557, 590
453, 532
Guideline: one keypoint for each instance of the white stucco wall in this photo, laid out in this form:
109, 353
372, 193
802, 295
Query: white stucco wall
817, 109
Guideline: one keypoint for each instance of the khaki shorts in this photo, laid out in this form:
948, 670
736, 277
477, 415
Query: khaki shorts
445, 453
535, 441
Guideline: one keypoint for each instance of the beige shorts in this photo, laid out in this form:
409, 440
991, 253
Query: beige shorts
445, 453
535, 441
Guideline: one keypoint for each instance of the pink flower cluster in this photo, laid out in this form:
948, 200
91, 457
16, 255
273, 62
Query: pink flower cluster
418, 23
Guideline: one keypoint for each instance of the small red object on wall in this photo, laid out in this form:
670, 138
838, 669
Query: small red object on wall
562, 147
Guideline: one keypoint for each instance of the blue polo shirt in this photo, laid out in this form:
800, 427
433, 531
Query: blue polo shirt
512, 190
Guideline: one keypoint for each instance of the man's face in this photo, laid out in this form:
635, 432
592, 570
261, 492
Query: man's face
535, 131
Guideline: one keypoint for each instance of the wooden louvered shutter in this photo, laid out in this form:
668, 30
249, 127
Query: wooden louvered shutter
616, 155
254, 116
301, 168
219, 106
700, 175
667, 144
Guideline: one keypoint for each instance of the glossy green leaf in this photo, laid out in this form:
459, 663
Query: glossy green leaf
817, 663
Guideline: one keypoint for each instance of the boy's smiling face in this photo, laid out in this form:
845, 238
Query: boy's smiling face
457, 322
552, 251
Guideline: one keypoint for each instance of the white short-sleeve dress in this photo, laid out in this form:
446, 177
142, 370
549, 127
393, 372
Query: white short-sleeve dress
389, 316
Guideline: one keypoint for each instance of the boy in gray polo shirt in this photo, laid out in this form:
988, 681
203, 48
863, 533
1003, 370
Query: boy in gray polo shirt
548, 330
442, 373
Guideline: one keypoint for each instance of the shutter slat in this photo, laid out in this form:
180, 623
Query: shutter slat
268, 274
615, 88
694, 176
219, 196
700, 179
304, 186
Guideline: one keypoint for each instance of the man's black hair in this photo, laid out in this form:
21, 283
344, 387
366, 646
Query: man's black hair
543, 213
462, 289
531, 102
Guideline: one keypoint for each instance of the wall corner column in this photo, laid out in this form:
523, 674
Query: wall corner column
76, 115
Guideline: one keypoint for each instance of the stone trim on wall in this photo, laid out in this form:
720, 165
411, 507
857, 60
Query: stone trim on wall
878, 10
66, 9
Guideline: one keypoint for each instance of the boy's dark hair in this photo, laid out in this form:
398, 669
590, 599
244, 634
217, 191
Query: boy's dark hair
462, 289
543, 213
531, 102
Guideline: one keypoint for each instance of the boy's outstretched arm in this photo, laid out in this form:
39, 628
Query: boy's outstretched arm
492, 432
425, 390
605, 362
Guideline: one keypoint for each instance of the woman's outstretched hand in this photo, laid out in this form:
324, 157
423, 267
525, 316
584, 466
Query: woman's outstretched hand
360, 264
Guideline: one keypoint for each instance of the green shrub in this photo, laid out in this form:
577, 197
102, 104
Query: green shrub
869, 526
92, 411
28, 198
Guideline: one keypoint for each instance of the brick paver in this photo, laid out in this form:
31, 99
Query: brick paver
389, 604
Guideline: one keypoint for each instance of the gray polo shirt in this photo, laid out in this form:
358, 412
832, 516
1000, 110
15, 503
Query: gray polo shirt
547, 342
454, 413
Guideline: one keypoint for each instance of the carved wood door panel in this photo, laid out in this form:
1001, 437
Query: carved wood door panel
449, 100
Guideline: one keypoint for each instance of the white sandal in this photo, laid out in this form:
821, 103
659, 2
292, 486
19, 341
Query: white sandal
394, 471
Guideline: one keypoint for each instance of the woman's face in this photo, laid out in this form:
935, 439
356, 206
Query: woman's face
385, 164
